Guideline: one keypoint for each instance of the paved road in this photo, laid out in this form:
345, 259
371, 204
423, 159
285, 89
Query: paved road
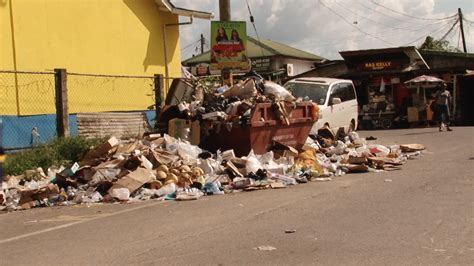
424, 216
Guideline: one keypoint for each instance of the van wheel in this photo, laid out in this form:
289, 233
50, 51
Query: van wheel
351, 126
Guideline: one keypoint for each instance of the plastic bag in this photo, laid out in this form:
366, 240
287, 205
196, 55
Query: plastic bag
120, 193
244, 90
279, 92
166, 190
378, 150
339, 149
171, 144
189, 153
285, 179
253, 164
353, 135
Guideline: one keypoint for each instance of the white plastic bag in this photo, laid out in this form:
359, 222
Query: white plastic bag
171, 144
279, 92
378, 150
165, 190
252, 164
189, 153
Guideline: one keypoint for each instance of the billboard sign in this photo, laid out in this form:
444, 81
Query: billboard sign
228, 45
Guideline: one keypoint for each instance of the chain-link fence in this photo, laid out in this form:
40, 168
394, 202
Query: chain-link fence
98, 105
27, 108
101, 93
26, 93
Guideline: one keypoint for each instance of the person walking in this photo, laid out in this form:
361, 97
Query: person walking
442, 114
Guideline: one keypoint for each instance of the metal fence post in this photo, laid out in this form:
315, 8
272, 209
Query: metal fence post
62, 113
158, 81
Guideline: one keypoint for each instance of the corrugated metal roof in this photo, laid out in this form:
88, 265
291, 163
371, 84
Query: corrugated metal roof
263, 48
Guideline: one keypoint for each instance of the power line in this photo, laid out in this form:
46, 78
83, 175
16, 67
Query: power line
432, 33
359, 29
403, 21
449, 31
254, 27
189, 45
408, 15
356, 37
467, 20
369, 19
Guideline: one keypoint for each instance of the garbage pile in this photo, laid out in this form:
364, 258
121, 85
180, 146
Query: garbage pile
165, 168
202, 113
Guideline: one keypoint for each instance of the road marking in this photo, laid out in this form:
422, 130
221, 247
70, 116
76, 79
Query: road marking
54, 228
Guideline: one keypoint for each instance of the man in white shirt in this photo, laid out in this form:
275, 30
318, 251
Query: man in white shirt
443, 101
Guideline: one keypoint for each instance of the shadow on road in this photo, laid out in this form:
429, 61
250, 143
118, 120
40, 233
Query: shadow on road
421, 133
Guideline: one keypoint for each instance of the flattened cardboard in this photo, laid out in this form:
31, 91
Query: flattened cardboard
412, 147
38, 194
233, 169
277, 185
134, 180
99, 151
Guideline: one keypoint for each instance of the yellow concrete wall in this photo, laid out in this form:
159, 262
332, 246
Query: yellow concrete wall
117, 37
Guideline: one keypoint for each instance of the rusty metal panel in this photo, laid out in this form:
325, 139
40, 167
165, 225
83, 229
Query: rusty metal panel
264, 128
119, 124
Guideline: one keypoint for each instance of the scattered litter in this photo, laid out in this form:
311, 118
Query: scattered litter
290, 231
322, 179
182, 166
265, 248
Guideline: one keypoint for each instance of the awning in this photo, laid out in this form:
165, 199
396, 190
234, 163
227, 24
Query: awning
166, 5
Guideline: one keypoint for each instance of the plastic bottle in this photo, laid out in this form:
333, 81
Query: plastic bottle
165, 190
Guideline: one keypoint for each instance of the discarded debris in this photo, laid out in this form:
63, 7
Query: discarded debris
265, 248
173, 167
290, 231
163, 167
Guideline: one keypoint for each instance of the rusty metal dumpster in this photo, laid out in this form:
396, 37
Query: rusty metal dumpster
263, 129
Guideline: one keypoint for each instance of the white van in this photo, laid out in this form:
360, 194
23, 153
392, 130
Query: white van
336, 99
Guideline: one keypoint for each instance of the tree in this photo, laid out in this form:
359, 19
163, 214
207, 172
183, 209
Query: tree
431, 43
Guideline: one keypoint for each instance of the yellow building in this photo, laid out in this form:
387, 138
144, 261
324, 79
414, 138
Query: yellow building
111, 37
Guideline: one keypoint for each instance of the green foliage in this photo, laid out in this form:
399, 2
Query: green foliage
61, 151
431, 43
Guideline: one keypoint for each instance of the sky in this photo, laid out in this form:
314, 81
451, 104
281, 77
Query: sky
325, 27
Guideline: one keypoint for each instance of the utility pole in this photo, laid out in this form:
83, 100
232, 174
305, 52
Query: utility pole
224, 15
462, 30
224, 10
202, 43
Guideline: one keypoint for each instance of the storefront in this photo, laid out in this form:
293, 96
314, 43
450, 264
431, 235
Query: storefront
272, 60
379, 76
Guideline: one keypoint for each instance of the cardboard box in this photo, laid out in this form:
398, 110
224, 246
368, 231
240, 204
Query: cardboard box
177, 129
99, 151
134, 180
357, 160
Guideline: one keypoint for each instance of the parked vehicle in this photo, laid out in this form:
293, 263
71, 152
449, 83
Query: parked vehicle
336, 98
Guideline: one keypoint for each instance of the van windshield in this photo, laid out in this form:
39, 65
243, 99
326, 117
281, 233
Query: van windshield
310, 91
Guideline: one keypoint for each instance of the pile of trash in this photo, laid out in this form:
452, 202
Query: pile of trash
159, 166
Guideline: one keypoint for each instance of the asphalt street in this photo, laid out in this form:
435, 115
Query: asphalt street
420, 215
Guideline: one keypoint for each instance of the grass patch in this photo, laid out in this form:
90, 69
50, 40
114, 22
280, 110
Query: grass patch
61, 151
